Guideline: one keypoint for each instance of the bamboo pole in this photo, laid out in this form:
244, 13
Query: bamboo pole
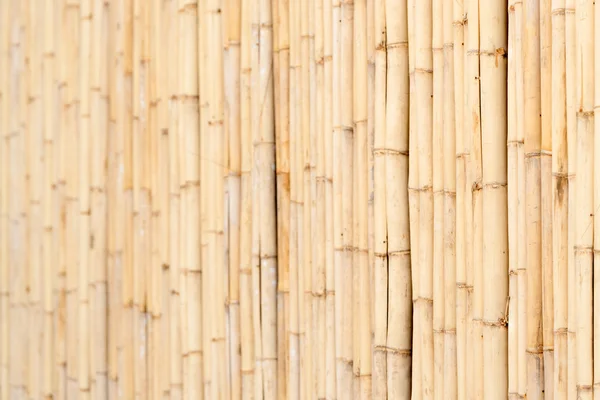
493, 50
318, 216
437, 160
449, 152
5, 47
458, 21
584, 211
380, 243
570, 48
595, 202
474, 226
246, 308
424, 114
414, 206
532, 124
396, 114
560, 193
98, 141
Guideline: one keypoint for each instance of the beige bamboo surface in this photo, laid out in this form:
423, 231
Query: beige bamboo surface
299, 199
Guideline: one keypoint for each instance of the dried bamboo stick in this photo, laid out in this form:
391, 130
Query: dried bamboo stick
493, 49
318, 216
437, 160
449, 152
246, 308
560, 193
362, 326
589, 76
570, 49
396, 158
584, 199
458, 20
474, 226
424, 114
380, 243
98, 142
413, 198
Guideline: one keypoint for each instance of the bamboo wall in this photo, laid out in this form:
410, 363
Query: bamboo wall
299, 199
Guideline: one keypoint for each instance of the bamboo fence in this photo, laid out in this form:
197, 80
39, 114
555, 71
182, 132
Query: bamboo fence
299, 199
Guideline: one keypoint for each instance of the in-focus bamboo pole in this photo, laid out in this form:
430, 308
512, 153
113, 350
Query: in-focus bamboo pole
493, 50
318, 216
449, 152
233, 25
413, 198
595, 273
461, 194
424, 114
474, 225
396, 157
513, 207
546, 191
560, 200
246, 307
437, 160
362, 281
584, 199
380, 243
570, 54
532, 125
98, 160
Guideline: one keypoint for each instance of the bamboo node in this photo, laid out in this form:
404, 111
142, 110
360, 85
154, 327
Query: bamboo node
424, 70
494, 185
390, 152
558, 11
394, 45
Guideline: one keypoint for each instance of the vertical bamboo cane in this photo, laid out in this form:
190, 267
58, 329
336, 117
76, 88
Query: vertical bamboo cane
246, 309
438, 198
584, 211
424, 114
98, 131
449, 152
233, 37
461, 194
48, 194
414, 206
493, 49
5, 109
176, 345
560, 193
330, 318
380, 245
319, 215
362, 325
396, 124
474, 224
546, 190
532, 124
595, 272
83, 266
570, 49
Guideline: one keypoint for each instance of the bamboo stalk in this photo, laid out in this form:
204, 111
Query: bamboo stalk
380, 244
570, 48
424, 114
546, 191
246, 309
560, 192
458, 21
474, 225
398, 246
493, 137
512, 145
449, 152
437, 160
589, 76
584, 199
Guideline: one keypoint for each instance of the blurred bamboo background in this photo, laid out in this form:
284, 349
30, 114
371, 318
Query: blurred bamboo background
299, 199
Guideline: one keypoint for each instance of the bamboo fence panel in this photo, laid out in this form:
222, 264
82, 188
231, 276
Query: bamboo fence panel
320, 199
